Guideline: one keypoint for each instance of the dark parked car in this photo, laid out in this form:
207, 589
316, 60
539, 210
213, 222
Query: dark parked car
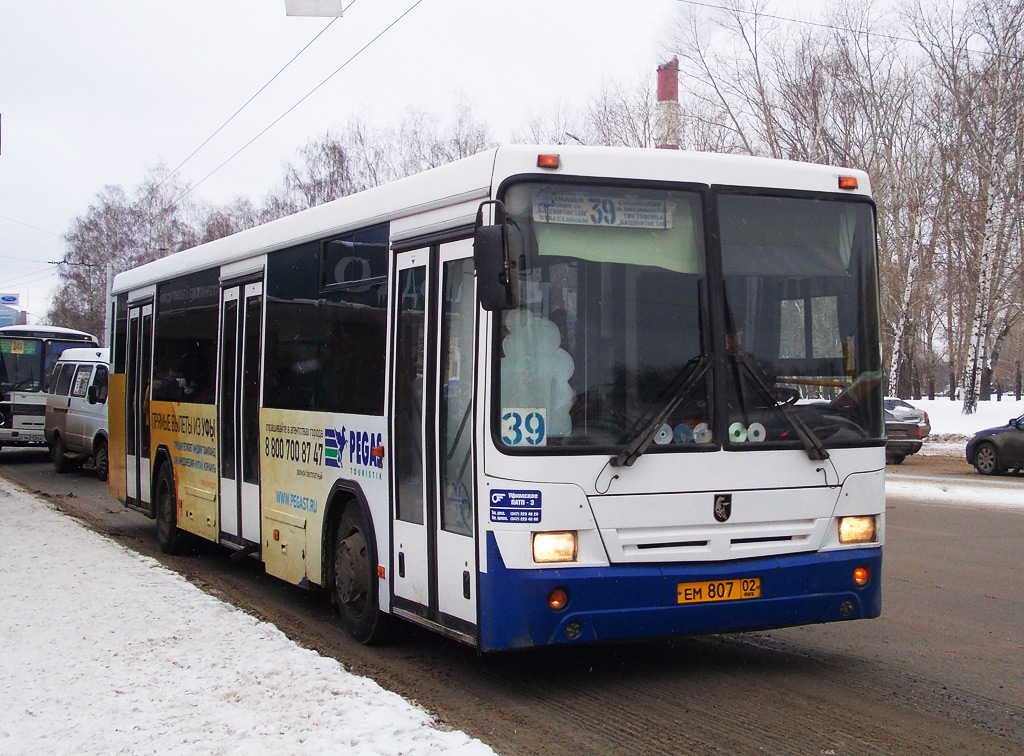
995, 450
902, 438
905, 411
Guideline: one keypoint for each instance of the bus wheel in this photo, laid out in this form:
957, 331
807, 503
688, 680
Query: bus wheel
355, 580
58, 454
170, 539
102, 459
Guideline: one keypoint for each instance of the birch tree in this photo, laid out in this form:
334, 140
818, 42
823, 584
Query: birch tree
977, 64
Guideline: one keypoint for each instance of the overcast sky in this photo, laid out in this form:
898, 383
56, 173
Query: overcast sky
97, 92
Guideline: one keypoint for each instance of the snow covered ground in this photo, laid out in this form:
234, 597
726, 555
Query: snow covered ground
950, 431
951, 428
142, 662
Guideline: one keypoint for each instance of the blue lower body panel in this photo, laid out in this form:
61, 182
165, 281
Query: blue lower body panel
625, 602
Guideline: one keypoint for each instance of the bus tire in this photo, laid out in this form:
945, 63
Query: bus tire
101, 458
59, 456
355, 579
170, 539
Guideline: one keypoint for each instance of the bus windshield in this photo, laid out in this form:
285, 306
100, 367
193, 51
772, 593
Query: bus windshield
799, 277
611, 343
21, 364
26, 364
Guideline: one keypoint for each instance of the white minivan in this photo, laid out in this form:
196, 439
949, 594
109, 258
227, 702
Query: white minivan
76, 410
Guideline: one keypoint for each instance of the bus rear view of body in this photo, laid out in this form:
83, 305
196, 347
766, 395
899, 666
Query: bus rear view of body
535, 397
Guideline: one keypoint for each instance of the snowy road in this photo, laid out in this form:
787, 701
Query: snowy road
1003, 492
947, 692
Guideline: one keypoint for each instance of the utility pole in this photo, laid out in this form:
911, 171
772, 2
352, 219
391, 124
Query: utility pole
106, 309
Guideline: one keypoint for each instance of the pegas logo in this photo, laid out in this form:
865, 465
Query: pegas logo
334, 444
364, 450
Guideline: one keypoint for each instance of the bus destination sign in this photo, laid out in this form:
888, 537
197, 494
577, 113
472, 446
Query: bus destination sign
608, 210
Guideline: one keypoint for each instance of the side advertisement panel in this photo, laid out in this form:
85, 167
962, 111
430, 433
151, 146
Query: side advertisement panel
117, 477
304, 454
189, 433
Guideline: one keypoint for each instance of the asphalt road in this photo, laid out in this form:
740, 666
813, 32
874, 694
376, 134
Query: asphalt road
938, 673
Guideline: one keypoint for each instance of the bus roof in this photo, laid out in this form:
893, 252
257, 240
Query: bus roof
471, 180
44, 332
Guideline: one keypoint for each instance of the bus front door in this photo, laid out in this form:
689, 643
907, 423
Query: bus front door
139, 367
434, 558
238, 414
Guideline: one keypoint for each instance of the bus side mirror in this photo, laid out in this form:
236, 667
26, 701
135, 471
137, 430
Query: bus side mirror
94, 394
495, 264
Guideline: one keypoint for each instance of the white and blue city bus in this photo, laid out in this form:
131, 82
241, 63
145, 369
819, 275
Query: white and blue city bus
27, 356
538, 396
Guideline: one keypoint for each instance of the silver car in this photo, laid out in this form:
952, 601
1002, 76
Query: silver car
76, 410
905, 412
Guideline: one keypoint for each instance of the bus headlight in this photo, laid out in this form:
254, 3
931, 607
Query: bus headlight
554, 547
857, 529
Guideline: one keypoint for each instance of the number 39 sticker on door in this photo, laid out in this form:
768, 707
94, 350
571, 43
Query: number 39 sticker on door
515, 506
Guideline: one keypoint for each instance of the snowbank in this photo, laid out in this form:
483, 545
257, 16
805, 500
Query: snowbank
105, 651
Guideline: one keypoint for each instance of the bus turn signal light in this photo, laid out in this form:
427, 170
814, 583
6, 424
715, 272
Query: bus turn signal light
861, 576
548, 161
558, 599
848, 182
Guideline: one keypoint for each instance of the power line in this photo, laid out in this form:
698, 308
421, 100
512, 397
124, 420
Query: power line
253, 97
299, 102
29, 225
830, 27
16, 281
22, 259
81, 264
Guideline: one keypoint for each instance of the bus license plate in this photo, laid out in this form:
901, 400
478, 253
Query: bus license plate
719, 590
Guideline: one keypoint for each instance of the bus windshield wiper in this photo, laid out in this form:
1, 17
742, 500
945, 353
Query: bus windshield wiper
812, 444
649, 429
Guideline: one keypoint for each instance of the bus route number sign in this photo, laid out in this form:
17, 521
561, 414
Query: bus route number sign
515, 507
17, 346
608, 210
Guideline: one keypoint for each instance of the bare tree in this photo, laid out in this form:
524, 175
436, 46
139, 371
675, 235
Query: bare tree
122, 231
361, 156
977, 62
560, 123
623, 115
726, 63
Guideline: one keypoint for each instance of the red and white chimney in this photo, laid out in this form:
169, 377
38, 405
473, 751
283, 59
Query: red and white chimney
667, 118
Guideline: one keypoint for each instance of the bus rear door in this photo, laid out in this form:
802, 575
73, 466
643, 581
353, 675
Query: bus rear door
139, 367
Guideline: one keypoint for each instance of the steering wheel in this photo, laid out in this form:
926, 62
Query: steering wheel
786, 395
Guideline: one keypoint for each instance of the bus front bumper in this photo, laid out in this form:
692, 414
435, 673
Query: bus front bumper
632, 602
